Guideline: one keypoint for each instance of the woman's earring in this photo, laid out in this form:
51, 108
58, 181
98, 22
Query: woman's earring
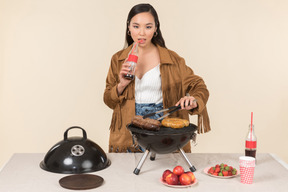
128, 32
155, 34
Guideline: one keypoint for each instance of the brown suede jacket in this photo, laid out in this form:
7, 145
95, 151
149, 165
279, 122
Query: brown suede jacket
177, 80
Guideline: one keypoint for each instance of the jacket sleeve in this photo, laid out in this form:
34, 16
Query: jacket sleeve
194, 86
111, 98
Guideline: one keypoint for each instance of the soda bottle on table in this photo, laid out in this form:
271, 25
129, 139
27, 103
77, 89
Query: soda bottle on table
132, 60
251, 142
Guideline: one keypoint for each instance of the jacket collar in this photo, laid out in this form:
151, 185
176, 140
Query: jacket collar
163, 52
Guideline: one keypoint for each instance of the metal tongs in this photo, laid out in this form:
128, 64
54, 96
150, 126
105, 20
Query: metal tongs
173, 109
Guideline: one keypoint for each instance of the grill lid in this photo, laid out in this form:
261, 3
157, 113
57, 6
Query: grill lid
75, 155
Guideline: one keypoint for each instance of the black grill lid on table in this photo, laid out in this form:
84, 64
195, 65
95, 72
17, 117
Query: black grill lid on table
75, 155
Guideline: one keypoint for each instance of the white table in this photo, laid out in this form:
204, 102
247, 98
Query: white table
23, 174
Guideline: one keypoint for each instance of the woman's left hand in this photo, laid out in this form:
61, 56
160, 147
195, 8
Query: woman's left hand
187, 103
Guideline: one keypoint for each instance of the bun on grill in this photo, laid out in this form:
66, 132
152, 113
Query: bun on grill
175, 123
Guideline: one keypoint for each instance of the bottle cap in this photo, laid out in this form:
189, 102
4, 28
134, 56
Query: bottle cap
133, 58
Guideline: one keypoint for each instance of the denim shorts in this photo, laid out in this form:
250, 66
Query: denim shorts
145, 108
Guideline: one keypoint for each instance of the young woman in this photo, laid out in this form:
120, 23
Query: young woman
162, 79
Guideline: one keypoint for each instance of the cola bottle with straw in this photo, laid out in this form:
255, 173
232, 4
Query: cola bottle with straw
132, 60
251, 140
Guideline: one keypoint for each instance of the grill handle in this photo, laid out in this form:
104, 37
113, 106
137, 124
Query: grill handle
75, 127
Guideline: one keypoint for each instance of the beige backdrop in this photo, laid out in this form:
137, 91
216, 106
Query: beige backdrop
55, 56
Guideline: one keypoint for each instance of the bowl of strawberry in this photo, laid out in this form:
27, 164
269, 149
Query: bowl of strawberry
177, 177
221, 171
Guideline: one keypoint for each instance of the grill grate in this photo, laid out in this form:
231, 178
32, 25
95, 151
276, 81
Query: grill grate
164, 130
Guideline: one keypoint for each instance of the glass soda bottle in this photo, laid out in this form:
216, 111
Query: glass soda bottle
251, 142
132, 60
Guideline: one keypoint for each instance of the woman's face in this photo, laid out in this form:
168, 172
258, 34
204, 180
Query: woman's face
142, 27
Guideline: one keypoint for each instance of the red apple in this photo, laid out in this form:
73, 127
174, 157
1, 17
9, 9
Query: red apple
165, 174
185, 179
178, 170
192, 176
172, 179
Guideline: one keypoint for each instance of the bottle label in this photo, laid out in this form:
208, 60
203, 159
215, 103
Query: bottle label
251, 144
133, 58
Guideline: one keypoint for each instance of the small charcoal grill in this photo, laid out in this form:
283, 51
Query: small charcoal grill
166, 140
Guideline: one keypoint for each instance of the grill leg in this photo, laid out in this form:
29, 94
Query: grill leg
142, 160
191, 167
152, 156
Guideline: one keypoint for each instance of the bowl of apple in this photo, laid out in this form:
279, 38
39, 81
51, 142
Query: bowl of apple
178, 177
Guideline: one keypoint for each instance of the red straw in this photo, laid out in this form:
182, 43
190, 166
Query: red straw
251, 125
134, 47
135, 44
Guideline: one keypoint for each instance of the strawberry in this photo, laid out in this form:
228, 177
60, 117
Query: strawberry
222, 170
227, 168
222, 165
217, 170
225, 173
211, 170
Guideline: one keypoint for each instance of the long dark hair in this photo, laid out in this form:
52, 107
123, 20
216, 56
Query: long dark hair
140, 8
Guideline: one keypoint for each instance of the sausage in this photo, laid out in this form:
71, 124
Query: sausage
149, 124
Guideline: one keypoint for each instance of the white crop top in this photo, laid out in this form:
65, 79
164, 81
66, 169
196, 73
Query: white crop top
148, 89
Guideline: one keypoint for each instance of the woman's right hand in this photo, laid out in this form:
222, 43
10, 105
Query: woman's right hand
123, 81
